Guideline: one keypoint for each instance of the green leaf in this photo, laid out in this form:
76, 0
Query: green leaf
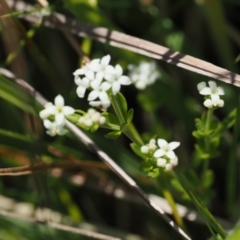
124, 126
201, 153
122, 104
11, 93
130, 115
208, 178
113, 135
73, 118
111, 121
154, 173
94, 127
137, 150
146, 166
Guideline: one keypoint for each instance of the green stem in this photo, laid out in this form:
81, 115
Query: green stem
172, 204
118, 110
209, 119
129, 130
206, 140
211, 222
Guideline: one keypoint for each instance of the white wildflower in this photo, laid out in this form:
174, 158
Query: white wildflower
213, 91
58, 110
144, 74
83, 84
166, 149
116, 79
54, 128
91, 117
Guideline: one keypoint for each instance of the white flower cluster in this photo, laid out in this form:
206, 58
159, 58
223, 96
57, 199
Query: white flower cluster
100, 77
90, 118
58, 111
163, 153
144, 74
212, 93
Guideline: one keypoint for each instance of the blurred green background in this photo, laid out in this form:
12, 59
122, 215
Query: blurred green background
45, 58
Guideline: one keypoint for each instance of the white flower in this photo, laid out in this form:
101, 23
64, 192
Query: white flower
166, 149
99, 90
58, 110
144, 74
209, 103
83, 84
213, 91
161, 162
88, 70
116, 79
144, 149
54, 128
102, 67
150, 147
103, 103
91, 117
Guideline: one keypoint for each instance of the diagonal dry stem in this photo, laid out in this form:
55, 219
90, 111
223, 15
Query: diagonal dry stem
121, 40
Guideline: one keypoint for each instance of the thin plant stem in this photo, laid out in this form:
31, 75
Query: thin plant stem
209, 219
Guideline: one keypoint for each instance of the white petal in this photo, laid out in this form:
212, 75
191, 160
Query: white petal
105, 60
215, 98
99, 76
159, 153
124, 80
93, 95
79, 71
205, 91
220, 103
52, 110
208, 103
116, 87
85, 82
77, 80
95, 103
105, 86
62, 131
90, 75
173, 145
201, 85
44, 113
51, 133
118, 70
103, 96
59, 101
95, 84
81, 91
171, 154
110, 69
47, 124
144, 149
59, 118
110, 77
162, 143
94, 63
68, 110
220, 91
212, 84
169, 166
174, 161
161, 162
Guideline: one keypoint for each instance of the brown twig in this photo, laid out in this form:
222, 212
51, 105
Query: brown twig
58, 226
102, 155
121, 40
24, 170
